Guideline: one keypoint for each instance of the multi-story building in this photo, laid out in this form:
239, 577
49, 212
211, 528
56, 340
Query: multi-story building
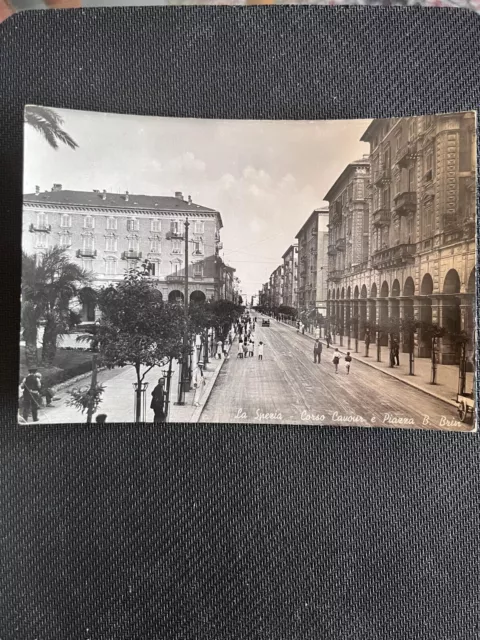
277, 286
313, 264
416, 258
108, 233
290, 277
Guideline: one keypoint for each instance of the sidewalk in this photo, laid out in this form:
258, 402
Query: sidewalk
447, 375
118, 398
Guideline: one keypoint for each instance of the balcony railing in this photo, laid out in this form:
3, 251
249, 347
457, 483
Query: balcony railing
175, 277
382, 175
360, 267
46, 228
332, 250
340, 244
86, 253
405, 203
335, 275
381, 217
406, 154
131, 255
393, 257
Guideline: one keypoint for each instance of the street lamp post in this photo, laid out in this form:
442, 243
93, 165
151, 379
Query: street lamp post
184, 374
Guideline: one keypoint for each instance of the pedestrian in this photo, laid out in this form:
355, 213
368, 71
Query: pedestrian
158, 401
260, 350
303, 329
336, 359
298, 326
328, 339
199, 383
317, 352
396, 353
251, 348
392, 354
31, 395
245, 349
348, 360
45, 390
240, 349
218, 355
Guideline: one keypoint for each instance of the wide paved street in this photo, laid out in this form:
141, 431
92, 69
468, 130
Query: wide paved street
288, 388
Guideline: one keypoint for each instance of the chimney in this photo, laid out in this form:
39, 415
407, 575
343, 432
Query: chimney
104, 195
126, 196
37, 190
57, 187
179, 195
189, 199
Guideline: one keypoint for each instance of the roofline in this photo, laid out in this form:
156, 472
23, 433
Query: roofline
292, 246
315, 212
366, 137
348, 169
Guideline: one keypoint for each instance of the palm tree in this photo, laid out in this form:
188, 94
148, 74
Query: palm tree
47, 122
48, 287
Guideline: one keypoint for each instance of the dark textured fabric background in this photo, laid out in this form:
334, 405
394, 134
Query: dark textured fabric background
223, 532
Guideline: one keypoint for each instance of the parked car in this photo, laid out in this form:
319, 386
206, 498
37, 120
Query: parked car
265, 323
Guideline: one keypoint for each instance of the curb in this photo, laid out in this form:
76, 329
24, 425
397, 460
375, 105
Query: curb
83, 376
197, 414
373, 366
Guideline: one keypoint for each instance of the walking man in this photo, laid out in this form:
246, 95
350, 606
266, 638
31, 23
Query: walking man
317, 352
336, 359
329, 339
199, 383
31, 395
158, 401
348, 360
251, 348
260, 350
396, 353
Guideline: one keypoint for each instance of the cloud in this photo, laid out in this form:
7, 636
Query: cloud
187, 162
227, 182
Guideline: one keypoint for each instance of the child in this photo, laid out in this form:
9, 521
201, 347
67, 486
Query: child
348, 360
336, 359
240, 349
251, 348
245, 348
260, 350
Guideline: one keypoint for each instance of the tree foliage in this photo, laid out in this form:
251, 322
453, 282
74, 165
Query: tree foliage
49, 124
224, 314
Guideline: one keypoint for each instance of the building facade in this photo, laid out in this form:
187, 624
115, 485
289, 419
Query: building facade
415, 257
313, 264
290, 276
107, 234
277, 286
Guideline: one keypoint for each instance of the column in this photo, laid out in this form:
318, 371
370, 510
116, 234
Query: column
363, 318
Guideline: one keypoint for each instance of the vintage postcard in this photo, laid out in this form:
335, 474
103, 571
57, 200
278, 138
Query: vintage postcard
288, 273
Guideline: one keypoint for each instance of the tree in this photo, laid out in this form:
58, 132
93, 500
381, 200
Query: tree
224, 314
49, 124
48, 287
139, 329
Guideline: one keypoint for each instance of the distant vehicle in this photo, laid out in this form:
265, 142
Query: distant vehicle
265, 323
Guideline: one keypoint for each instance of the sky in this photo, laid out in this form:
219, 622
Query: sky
264, 177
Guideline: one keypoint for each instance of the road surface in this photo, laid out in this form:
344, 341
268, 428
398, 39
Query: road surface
286, 387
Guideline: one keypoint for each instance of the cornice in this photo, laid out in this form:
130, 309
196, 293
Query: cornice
111, 212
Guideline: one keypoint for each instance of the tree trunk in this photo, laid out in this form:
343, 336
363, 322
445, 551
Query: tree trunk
49, 345
138, 399
31, 353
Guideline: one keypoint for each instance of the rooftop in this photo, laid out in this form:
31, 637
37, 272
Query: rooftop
130, 201
363, 162
323, 211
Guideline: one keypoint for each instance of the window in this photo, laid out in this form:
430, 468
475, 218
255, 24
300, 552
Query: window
110, 267
387, 159
66, 220
87, 264
411, 179
65, 240
155, 225
41, 240
110, 243
176, 267
398, 140
386, 198
398, 185
428, 219
88, 244
429, 165
133, 244
199, 227
42, 220
111, 224
154, 268
198, 269
88, 222
175, 227
465, 142
132, 225
155, 245
198, 248
176, 246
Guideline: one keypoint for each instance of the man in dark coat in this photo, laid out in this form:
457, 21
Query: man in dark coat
317, 352
158, 401
31, 395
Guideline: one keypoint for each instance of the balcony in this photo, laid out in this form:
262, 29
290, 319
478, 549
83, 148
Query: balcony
332, 250
360, 267
405, 203
340, 244
406, 154
174, 235
381, 217
382, 175
392, 257
335, 275
86, 253
131, 255
45, 228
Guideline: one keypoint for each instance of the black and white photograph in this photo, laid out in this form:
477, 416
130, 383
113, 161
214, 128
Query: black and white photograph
224, 271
